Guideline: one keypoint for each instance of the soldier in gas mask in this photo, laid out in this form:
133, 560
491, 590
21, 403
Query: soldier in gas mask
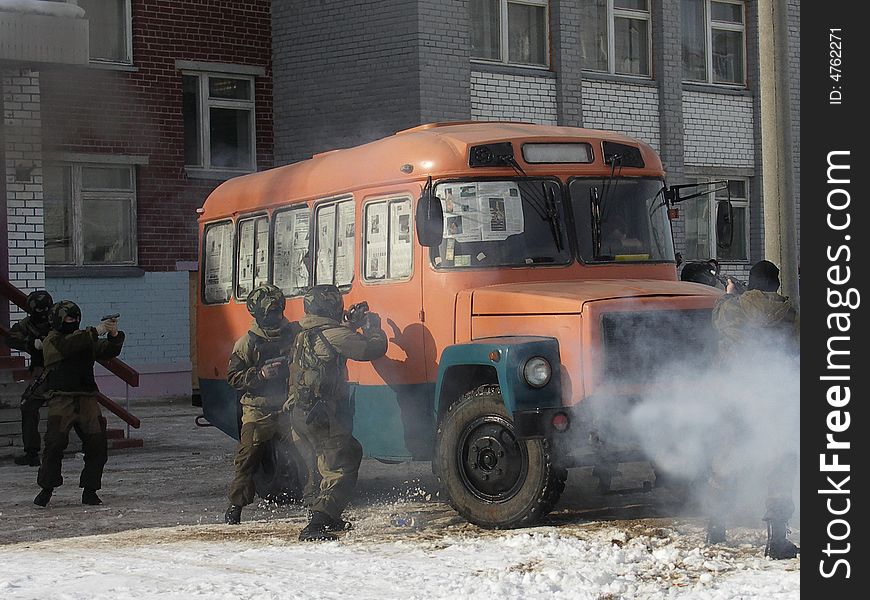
258, 368
70, 354
26, 336
318, 399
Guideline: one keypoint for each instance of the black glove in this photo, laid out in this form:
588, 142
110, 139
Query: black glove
274, 368
371, 322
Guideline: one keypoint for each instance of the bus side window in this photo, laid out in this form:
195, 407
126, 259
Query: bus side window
290, 264
217, 276
252, 266
335, 224
387, 250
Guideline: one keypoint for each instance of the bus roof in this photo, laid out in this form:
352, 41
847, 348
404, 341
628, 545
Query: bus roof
437, 149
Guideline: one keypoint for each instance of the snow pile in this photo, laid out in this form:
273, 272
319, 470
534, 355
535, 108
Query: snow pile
70, 10
601, 563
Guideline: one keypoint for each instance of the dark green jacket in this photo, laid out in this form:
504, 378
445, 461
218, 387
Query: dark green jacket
756, 319
70, 358
346, 343
250, 353
23, 334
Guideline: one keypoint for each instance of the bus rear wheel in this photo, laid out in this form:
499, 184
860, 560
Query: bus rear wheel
492, 478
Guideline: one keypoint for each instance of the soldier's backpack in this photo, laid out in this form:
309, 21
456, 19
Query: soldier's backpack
311, 377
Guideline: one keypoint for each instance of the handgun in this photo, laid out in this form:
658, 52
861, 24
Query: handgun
111, 317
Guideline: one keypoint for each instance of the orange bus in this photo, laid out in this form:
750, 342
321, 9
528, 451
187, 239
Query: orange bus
526, 279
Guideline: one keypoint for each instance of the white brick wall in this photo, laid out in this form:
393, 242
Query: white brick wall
718, 130
624, 107
23, 172
500, 97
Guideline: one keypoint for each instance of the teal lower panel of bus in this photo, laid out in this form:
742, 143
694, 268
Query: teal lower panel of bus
391, 422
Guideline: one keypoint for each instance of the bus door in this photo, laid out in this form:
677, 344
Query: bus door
373, 260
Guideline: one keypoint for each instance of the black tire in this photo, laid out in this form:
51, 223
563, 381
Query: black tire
277, 480
490, 477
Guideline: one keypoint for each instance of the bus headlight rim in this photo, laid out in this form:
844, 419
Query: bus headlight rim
537, 371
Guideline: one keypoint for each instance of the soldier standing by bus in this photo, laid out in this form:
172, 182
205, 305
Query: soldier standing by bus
754, 325
318, 400
258, 368
27, 336
70, 354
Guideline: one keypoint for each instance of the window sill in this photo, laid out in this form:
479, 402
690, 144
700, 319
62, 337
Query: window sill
716, 88
107, 66
509, 69
214, 174
619, 78
95, 272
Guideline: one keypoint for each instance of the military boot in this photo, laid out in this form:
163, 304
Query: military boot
318, 528
30, 459
43, 497
90, 497
778, 545
233, 516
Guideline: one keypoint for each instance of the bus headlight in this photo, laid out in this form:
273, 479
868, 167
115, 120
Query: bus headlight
537, 372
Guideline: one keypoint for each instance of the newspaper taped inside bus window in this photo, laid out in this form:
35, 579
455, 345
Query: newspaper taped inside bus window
344, 254
325, 269
334, 243
252, 265
217, 282
290, 269
502, 223
388, 244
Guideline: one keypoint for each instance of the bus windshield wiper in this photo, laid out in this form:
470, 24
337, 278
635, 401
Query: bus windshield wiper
545, 208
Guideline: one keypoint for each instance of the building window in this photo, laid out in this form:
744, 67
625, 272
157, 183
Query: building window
217, 260
510, 32
388, 246
252, 260
700, 215
290, 266
334, 243
714, 41
615, 36
218, 113
90, 215
110, 30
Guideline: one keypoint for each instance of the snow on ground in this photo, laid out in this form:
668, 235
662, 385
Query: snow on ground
264, 561
159, 535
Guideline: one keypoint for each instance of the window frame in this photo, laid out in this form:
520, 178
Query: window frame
203, 106
237, 244
128, 39
79, 195
709, 26
625, 13
272, 240
388, 200
504, 38
741, 203
204, 271
315, 246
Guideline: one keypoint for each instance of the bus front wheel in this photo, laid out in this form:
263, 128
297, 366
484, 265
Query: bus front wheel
493, 478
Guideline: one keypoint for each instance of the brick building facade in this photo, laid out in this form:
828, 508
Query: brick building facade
107, 162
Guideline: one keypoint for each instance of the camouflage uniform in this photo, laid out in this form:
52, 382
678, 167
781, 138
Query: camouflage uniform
71, 389
22, 337
329, 434
751, 324
262, 399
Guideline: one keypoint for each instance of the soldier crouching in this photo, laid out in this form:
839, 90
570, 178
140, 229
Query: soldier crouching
258, 369
69, 354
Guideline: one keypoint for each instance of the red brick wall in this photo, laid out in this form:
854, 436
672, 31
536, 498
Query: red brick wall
98, 110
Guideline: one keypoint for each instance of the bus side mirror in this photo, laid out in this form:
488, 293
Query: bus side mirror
430, 218
724, 224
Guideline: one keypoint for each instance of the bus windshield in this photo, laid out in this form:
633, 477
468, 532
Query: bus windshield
505, 223
621, 219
